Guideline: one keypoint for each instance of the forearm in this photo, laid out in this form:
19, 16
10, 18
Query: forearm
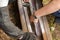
48, 9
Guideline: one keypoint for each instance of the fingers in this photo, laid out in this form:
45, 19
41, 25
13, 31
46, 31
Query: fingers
31, 18
26, 0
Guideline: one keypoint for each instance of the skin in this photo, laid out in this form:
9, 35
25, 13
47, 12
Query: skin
26, 0
53, 6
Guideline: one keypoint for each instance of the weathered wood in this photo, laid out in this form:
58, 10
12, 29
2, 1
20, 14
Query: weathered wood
22, 17
27, 20
33, 8
41, 26
44, 25
39, 5
47, 29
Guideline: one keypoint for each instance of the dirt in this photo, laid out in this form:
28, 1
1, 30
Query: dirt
56, 31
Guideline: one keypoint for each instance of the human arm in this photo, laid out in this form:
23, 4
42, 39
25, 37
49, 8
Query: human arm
53, 6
